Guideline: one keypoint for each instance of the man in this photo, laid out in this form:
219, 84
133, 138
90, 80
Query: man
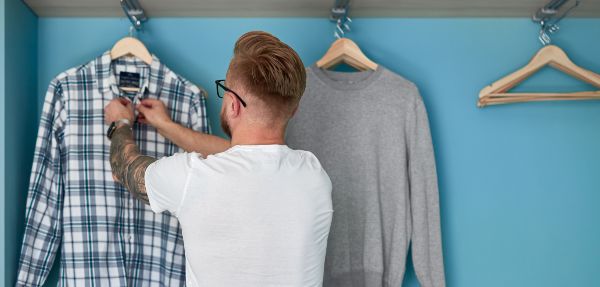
255, 212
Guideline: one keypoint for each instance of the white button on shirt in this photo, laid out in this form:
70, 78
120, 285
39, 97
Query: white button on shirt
255, 215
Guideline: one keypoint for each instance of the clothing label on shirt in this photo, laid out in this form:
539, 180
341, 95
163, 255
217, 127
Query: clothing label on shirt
129, 80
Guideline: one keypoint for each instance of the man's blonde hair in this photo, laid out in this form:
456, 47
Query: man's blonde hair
270, 70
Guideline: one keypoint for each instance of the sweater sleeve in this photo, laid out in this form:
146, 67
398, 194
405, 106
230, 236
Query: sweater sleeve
426, 238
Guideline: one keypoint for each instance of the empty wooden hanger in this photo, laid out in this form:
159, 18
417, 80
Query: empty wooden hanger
554, 56
345, 50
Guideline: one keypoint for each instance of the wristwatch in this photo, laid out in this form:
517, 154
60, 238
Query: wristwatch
113, 127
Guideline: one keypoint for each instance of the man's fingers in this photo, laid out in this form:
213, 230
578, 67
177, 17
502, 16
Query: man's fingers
149, 102
142, 108
152, 103
124, 101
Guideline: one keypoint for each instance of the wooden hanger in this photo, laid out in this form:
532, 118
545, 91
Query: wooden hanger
130, 46
345, 50
554, 56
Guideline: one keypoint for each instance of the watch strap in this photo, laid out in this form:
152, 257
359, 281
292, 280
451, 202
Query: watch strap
113, 127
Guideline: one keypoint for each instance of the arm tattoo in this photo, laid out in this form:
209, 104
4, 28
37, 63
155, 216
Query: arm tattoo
128, 165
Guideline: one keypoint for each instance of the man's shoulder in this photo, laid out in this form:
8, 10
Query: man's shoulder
309, 161
243, 157
181, 161
308, 157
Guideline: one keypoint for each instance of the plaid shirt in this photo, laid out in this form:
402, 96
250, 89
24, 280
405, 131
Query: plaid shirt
106, 236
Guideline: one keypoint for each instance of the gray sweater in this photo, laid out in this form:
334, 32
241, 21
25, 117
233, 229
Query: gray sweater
371, 133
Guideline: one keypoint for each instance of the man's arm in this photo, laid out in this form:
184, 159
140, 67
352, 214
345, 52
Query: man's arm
193, 141
154, 113
128, 165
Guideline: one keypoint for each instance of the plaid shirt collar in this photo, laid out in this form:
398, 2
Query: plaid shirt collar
107, 81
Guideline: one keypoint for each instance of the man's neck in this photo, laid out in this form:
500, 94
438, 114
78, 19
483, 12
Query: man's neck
257, 137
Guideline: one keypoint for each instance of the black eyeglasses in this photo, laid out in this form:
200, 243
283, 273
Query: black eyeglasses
221, 89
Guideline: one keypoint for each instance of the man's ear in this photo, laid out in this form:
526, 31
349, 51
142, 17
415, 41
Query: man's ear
235, 106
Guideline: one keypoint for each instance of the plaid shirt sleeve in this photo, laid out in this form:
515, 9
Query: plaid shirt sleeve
198, 115
43, 215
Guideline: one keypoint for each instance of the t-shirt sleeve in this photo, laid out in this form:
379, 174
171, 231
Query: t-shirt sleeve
166, 182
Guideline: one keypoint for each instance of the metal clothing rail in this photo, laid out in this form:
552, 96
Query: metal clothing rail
548, 18
134, 12
549, 10
340, 9
339, 15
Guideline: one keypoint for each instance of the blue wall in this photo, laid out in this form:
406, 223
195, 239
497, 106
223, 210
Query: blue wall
2, 130
21, 116
519, 184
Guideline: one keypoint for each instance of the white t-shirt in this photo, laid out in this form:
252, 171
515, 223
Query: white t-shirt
255, 215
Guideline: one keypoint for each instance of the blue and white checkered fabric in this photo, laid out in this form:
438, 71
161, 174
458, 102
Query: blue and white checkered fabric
106, 236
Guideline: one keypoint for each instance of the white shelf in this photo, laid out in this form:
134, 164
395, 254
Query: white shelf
305, 8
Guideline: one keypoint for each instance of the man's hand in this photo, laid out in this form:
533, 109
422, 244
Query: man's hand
118, 109
154, 113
